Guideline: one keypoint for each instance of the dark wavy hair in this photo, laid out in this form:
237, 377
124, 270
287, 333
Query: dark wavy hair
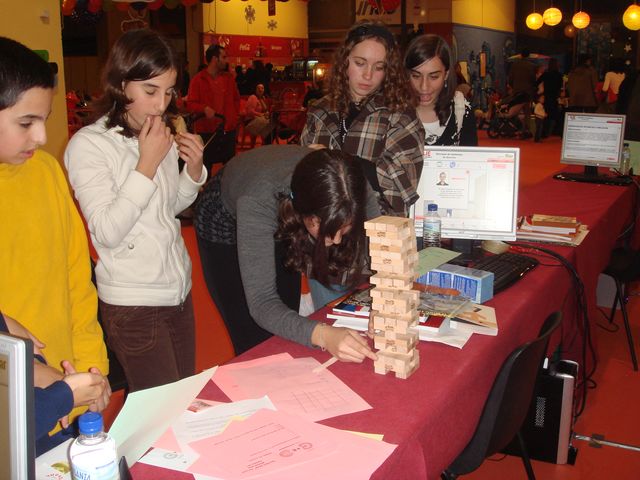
21, 69
330, 185
395, 88
137, 55
423, 48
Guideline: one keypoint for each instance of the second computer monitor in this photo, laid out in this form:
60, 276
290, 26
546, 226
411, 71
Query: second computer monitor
475, 188
593, 140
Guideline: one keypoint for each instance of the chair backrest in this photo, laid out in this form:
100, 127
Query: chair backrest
509, 400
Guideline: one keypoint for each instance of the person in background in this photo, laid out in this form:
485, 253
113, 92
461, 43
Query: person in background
270, 215
56, 394
445, 114
522, 79
581, 86
368, 112
124, 171
186, 78
314, 92
462, 85
212, 92
611, 86
241, 80
541, 115
45, 269
551, 81
258, 117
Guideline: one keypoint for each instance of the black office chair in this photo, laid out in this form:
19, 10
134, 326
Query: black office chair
507, 406
624, 268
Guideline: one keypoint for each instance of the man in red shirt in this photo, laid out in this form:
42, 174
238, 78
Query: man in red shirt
213, 92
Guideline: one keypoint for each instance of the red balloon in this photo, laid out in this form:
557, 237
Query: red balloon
122, 6
68, 6
94, 6
155, 5
390, 5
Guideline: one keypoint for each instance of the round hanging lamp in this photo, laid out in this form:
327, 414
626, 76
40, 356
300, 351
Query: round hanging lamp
569, 31
631, 17
534, 21
552, 16
581, 20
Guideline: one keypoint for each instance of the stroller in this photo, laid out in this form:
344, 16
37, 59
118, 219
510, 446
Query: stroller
504, 116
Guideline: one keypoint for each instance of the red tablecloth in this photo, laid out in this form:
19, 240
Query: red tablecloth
432, 415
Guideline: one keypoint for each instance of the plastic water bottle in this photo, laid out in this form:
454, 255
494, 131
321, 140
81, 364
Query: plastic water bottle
431, 227
626, 159
93, 454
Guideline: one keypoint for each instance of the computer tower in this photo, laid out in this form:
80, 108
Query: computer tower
548, 427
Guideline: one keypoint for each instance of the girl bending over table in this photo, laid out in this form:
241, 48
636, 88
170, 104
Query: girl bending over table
271, 214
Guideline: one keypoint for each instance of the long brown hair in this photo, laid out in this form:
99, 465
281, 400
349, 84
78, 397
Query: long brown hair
423, 48
395, 88
136, 55
330, 185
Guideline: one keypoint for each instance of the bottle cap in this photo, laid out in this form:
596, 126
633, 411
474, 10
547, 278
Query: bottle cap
90, 423
432, 207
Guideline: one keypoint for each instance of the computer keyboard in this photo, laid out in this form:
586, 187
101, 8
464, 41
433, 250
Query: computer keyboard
619, 181
507, 268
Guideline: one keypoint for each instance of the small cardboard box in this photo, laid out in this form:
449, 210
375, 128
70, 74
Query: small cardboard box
476, 285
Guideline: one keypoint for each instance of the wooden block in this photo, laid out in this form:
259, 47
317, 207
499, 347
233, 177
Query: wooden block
400, 302
380, 255
400, 267
387, 241
404, 245
401, 324
387, 223
389, 235
392, 280
402, 364
396, 342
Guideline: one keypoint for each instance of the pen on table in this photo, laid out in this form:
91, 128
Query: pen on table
326, 364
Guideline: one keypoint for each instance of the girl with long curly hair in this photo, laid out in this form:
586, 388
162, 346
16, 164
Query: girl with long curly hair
369, 113
270, 215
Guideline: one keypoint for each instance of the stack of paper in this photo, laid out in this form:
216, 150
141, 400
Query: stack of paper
273, 436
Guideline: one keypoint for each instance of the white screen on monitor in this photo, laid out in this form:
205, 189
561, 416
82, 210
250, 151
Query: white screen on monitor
475, 188
16, 408
592, 139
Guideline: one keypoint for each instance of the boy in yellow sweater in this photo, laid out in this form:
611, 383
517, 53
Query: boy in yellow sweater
45, 272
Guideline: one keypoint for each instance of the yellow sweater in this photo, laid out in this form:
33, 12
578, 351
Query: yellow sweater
45, 272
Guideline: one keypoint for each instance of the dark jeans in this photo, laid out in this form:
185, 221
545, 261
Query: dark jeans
224, 282
221, 149
154, 345
552, 121
539, 128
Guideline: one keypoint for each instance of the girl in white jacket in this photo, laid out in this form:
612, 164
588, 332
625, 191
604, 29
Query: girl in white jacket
124, 171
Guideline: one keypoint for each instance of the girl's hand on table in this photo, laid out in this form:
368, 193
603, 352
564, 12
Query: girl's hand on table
343, 343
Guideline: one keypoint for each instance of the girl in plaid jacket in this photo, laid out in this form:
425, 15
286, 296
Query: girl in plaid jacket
369, 113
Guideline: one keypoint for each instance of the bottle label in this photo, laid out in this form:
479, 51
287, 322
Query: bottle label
97, 464
431, 228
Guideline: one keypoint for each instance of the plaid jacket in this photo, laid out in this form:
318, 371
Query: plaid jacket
394, 142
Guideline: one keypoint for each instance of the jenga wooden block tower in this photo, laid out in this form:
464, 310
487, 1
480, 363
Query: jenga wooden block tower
394, 308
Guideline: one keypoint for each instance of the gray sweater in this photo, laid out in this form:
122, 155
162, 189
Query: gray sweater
250, 185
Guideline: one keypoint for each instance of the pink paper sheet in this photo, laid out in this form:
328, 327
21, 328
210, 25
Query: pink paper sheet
291, 385
277, 446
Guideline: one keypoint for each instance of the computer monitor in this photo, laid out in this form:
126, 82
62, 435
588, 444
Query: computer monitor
592, 140
17, 455
476, 190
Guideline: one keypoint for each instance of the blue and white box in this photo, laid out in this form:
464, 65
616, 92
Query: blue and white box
476, 285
